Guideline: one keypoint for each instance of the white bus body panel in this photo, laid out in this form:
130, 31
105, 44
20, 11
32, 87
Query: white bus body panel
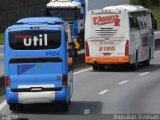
107, 31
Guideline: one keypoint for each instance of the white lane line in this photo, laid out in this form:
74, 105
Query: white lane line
123, 82
157, 52
86, 111
103, 92
145, 73
82, 71
3, 104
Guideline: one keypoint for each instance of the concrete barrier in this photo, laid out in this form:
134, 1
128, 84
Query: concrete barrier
157, 40
13, 10
157, 44
157, 35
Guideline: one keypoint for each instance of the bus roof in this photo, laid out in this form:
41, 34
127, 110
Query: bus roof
121, 8
127, 8
67, 4
34, 20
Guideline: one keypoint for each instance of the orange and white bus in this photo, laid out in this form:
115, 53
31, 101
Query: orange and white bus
122, 34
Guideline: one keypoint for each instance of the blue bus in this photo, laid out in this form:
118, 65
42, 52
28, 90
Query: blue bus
38, 62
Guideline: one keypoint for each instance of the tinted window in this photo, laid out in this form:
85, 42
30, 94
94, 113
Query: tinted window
65, 14
34, 40
133, 23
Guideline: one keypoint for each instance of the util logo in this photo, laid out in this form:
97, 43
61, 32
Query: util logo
40, 40
103, 20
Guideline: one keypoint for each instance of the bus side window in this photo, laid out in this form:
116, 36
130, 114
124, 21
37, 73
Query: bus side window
154, 22
133, 23
141, 26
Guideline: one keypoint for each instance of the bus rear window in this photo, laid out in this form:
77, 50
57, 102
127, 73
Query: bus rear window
34, 40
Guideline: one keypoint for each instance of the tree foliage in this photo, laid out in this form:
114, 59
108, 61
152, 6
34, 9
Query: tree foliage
146, 3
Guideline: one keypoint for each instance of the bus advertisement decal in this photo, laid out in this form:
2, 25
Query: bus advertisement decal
23, 68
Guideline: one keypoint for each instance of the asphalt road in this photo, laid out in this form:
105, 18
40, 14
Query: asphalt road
115, 90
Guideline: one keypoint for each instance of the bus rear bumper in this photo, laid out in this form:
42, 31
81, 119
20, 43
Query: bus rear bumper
36, 97
107, 60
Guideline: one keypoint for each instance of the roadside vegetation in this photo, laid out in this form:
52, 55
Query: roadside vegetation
1, 38
154, 5
155, 10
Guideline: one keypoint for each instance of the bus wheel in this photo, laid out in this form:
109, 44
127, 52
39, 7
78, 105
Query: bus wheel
13, 107
95, 67
147, 62
135, 65
65, 107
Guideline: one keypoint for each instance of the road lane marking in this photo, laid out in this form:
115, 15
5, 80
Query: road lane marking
103, 92
3, 104
86, 111
157, 52
123, 82
145, 73
82, 71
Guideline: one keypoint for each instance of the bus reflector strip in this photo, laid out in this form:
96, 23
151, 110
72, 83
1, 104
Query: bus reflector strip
35, 60
87, 49
127, 48
107, 60
34, 89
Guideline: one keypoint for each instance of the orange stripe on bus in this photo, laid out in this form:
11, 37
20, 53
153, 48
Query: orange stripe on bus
107, 60
70, 60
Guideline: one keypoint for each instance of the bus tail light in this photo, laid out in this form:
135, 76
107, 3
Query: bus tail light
87, 49
8, 83
127, 48
64, 80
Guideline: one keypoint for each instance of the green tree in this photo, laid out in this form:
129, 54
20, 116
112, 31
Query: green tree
155, 2
135, 2
146, 3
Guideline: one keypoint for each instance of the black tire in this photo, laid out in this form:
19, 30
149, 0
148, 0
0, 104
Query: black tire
147, 62
135, 65
13, 107
95, 67
98, 67
65, 107
102, 67
69, 100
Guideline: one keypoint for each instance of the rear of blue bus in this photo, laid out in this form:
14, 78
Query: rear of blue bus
36, 64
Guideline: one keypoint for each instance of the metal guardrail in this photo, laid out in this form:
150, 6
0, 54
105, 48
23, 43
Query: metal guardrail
157, 35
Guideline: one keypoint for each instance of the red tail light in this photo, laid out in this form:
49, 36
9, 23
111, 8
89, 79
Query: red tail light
87, 48
127, 48
64, 80
8, 84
